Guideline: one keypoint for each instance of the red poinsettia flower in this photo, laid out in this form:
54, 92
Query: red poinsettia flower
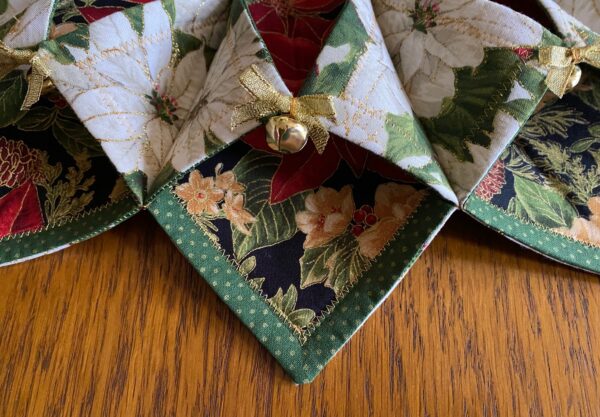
20, 210
294, 32
307, 169
92, 13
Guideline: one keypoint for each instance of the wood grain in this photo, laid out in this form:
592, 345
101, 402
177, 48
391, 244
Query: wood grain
121, 325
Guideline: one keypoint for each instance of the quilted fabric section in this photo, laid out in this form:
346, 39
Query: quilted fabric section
470, 73
132, 78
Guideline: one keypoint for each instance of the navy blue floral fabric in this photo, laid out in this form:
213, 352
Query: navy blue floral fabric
550, 175
303, 252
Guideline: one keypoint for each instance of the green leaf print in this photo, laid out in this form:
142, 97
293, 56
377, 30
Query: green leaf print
348, 33
37, 119
408, 148
169, 6
135, 15
74, 137
335, 264
480, 93
286, 304
274, 222
12, 92
186, 43
79, 38
543, 205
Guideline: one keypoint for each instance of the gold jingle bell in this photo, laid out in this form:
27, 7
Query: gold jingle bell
574, 78
285, 134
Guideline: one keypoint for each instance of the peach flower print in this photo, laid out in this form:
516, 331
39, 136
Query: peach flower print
226, 181
586, 230
200, 194
393, 204
233, 207
328, 213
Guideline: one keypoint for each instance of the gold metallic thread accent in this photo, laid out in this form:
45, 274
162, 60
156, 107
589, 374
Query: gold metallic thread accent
563, 72
12, 58
269, 102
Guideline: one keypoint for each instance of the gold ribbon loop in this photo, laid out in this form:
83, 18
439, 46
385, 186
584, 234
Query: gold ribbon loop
12, 58
269, 102
562, 63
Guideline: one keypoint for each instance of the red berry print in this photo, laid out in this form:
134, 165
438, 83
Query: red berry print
359, 216
371, 219
357, 230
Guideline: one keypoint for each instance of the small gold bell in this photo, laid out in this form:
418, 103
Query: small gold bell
574, 78
286, 135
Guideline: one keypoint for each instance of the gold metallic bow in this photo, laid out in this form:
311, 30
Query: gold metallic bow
11, 58
562, 63
269, 102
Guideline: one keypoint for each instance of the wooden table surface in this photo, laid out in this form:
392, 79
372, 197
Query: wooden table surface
121, 325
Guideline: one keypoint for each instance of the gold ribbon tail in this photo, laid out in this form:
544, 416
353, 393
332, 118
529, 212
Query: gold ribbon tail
562, 64
269, 102
35, 80
12, 58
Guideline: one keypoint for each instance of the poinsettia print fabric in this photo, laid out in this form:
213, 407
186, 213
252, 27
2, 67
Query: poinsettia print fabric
134, 75
304, 227
550, 176
450, 56
24, 23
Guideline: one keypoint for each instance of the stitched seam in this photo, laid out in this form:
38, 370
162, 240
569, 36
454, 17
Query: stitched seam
303, 334
534, 225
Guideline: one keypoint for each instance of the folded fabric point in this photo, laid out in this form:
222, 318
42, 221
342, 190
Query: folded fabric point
300, 157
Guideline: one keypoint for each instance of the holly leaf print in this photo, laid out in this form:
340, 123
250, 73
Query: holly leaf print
336, 264
543, 205
272, 224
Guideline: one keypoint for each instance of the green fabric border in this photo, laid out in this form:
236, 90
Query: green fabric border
544, 241
52, 238
301, 361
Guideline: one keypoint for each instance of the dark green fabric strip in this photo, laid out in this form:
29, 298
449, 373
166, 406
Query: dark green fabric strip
541, 240
55, 237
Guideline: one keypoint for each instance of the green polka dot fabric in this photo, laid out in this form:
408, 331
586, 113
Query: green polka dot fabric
302, 357
542, 240
54, 237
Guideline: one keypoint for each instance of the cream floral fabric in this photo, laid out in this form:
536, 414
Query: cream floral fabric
571, 17
29, 22
429, 41
130, 60
407, 82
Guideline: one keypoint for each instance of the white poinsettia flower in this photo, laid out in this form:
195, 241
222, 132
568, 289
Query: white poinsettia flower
428, 39
153, 95
129, 88
221, 93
